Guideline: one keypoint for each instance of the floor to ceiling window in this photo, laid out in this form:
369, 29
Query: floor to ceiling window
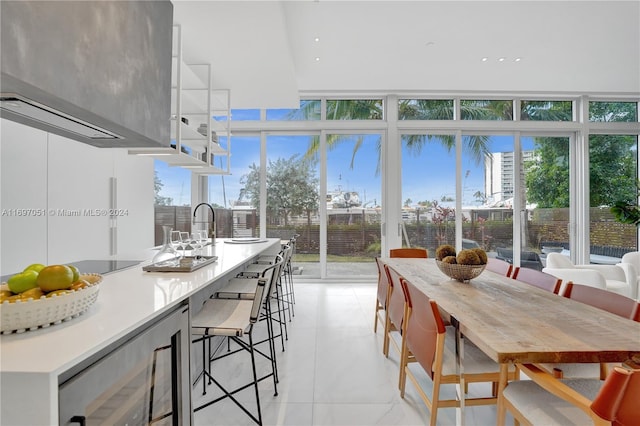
293, 197
545, 182
353, 204
428, 190
613, 173
489, 193
613, 179
172, 203
546, 168
236, 197
515, 184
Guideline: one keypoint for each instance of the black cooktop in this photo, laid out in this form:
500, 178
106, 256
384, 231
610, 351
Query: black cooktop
103, 266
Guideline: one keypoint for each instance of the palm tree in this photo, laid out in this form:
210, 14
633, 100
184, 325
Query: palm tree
371, 109
426, 109
363, 109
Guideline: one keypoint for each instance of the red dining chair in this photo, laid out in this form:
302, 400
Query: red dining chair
538, 278
384, 287
409, 252
546, 400
499, 266
427, 341
394, 312
602, 299
382, 295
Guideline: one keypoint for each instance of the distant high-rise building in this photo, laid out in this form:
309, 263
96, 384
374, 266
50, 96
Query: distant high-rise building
498, 176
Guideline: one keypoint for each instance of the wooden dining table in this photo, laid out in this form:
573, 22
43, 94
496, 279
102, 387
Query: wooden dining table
514, 322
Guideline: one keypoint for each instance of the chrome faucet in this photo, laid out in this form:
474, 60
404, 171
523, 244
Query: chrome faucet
212, 228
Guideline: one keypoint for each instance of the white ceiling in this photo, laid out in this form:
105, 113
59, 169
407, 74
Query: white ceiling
265, 51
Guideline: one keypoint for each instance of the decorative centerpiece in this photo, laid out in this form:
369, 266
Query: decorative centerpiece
41, 296
462, 266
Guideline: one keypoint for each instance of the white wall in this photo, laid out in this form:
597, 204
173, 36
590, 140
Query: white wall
55, 193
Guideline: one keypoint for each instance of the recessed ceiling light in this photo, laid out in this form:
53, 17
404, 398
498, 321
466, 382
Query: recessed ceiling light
501, 60
517, 59
317, 59
485, 59
316, 39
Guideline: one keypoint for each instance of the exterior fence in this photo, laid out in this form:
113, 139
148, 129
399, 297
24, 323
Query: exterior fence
229, 223
351, 235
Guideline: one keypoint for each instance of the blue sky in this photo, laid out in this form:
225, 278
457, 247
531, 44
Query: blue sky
429, 176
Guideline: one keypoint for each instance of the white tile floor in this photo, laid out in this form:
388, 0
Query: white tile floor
333, 371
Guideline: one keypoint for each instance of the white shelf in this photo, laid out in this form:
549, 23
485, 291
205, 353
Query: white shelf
193, 102
216, 149
190, 131
187, 132
193, 98
178, 159
210, 170
193, 76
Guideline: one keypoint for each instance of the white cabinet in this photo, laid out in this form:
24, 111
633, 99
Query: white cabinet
200, 135
59, 197
23, 196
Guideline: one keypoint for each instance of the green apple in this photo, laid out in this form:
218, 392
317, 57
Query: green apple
34, 267
23, 281
76, 272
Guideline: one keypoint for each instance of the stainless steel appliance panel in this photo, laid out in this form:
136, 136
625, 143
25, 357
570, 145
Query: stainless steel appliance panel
143, 381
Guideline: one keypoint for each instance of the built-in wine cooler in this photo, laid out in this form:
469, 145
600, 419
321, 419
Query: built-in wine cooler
142, 381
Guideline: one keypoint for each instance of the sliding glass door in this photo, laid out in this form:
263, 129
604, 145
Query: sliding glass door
489, 186
547, 195
293, 197
515, 197
428, 191
353, 204
519, 177
613, 173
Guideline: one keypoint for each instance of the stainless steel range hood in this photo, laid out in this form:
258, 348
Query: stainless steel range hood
95, 71
26, 110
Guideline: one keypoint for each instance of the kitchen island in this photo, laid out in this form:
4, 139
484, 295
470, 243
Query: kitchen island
34, 364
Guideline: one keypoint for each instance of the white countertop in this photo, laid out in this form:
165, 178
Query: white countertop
127, 299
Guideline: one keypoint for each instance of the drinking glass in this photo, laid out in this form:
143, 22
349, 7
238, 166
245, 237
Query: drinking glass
184, 241
202, 237
176, 242
195, 242
205, 236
